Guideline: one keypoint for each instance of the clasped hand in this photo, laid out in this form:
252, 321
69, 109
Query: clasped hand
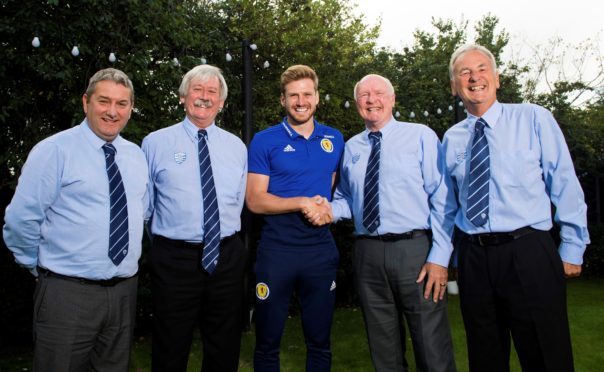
317, 210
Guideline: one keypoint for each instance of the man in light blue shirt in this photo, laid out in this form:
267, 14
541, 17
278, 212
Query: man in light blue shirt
400, 256
59, 226
187, 292
508, 164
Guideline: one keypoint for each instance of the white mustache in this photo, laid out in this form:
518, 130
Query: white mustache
202, 103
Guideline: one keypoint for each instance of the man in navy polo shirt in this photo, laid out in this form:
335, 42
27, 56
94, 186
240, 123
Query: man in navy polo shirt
292, 167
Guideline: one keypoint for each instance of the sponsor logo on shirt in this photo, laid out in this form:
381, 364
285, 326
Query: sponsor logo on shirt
327, 145
289, 148
333, 285
262, 291
328, 136
180, 157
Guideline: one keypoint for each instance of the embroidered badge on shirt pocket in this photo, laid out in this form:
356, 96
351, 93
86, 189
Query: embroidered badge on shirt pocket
180, 157
460, 156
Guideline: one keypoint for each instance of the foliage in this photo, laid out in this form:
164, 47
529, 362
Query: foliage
322, 34
420, 73
41, 86
594, 255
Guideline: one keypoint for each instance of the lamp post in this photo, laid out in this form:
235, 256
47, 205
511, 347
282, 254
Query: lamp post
246, 87
248, 132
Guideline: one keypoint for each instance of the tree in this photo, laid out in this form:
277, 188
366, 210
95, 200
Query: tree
420, 73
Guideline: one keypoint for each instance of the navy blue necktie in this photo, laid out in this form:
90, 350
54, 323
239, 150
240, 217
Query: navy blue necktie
118, 216
478, 188
371, 196
211, 215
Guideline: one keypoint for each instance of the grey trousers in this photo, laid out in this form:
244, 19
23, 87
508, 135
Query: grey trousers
385, 275
83, 327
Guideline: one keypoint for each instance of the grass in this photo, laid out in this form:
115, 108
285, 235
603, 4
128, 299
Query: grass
349, 344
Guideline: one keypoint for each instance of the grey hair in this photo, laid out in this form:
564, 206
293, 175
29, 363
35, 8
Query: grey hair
110, 74
203, 73
385, 80
468, 48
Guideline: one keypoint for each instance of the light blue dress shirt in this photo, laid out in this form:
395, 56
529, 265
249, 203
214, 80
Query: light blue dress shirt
530, 165
414, 193
176, 203
59, 216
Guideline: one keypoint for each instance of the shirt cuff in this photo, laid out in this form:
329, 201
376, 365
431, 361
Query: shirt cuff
439, 257
571, 253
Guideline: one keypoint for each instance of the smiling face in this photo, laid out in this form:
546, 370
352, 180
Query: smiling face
374, 102
300, 100
475, 82
202, 101
108, 109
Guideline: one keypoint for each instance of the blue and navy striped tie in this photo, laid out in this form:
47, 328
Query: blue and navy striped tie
371, 196
478, 188
211, 215
118, 216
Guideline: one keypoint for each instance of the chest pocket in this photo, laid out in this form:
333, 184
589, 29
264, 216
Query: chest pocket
401, 168
459, 165
519, 168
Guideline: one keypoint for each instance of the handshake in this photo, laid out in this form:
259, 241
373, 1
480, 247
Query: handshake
317, 210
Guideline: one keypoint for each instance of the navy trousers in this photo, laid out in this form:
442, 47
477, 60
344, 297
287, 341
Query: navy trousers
518, 289
185, 296
311, 272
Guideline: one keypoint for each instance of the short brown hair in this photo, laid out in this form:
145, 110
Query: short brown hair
298, 72
111, 74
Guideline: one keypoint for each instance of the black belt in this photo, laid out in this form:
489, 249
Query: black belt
189, 244
102, 282
499, 238
395, 237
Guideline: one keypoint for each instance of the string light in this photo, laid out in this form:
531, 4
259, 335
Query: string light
228, 57
327, 97
35, 42
175, 62
397, 114
460, 103
450, 108
112, 57
75, 51
412, 115
426, 113
347, 104
253, 46
203, 60
266, 64
439, 111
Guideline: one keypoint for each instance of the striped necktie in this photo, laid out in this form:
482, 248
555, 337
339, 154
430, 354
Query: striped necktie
211, 215
478, 188
118, 216
371, 196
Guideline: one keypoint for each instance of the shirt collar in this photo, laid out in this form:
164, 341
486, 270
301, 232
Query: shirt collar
491, 116
96, 141
318, 131
386, 129
191, 130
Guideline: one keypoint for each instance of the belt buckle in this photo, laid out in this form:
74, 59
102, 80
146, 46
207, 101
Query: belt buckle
482, 242
479, 239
